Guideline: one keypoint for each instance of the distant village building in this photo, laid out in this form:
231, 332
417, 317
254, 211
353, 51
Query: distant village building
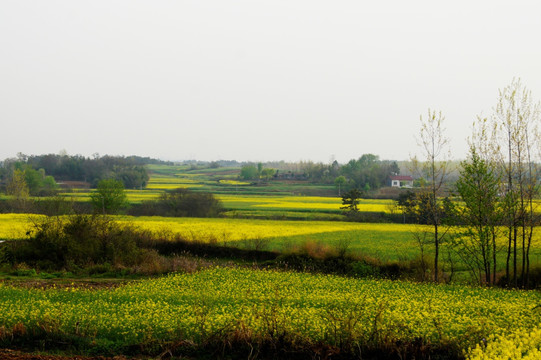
401, 181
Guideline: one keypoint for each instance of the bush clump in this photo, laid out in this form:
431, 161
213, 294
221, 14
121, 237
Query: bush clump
77, 240
180, 203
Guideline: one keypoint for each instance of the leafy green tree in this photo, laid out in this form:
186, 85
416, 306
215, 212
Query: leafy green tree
38, 183
130, 170
249, 172
109, 197
478, 187
267, 173
133, 177
17, 186
50, 187
18, 190
34, 179
369, 172
351, 199
340, 181
407, 203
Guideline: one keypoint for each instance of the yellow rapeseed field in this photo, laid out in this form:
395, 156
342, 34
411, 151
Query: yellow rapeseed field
240, 229
301, 203
233, 182
384, 241
15, 226
485, 323
168, 186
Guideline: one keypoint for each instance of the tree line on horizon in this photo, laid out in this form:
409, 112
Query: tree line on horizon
367, 172
41, 173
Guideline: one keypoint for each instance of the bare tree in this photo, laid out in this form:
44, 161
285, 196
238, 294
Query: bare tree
515, 121
435, 147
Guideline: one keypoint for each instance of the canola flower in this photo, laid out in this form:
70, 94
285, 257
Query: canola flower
301, 202
233, 182
167, 186
239, 229
519, 344
15, 226
313, 307
385, 241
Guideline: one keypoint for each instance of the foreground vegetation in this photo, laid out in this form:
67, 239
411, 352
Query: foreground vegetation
250, 312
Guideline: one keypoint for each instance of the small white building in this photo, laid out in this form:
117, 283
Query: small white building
401, 181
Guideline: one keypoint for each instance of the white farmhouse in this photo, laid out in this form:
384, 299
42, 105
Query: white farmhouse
401, 181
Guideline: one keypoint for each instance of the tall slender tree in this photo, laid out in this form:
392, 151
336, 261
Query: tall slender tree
515, 122
435, 147
478, 187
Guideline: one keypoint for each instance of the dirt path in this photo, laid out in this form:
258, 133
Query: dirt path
66, 283
6, 354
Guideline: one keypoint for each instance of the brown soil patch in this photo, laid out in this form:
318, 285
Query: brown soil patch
6, 354
91, 284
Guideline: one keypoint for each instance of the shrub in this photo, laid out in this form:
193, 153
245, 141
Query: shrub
77, 240
180, 203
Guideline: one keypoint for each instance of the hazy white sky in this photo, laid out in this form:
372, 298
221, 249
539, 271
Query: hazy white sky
255, 80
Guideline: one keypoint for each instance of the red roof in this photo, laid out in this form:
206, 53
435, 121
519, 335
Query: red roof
402, 178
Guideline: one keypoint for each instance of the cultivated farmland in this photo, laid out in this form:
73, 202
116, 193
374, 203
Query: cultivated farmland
219, 305
197, 311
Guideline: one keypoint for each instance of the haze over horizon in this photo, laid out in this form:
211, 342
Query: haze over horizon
255, 81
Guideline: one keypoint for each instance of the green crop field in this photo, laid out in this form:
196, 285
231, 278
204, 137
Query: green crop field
310, 308
387, 242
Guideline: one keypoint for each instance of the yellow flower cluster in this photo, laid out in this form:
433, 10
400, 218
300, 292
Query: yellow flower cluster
313, 307
520, 344
15, 226
239, 229
158, 186
233, 182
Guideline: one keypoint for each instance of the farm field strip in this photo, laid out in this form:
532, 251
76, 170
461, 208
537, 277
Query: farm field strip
166, 186
132, 195
385, 241
227, 229
294, 214
309, 306
300, 202
388, 241
171, 180
233, 182
239, 229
